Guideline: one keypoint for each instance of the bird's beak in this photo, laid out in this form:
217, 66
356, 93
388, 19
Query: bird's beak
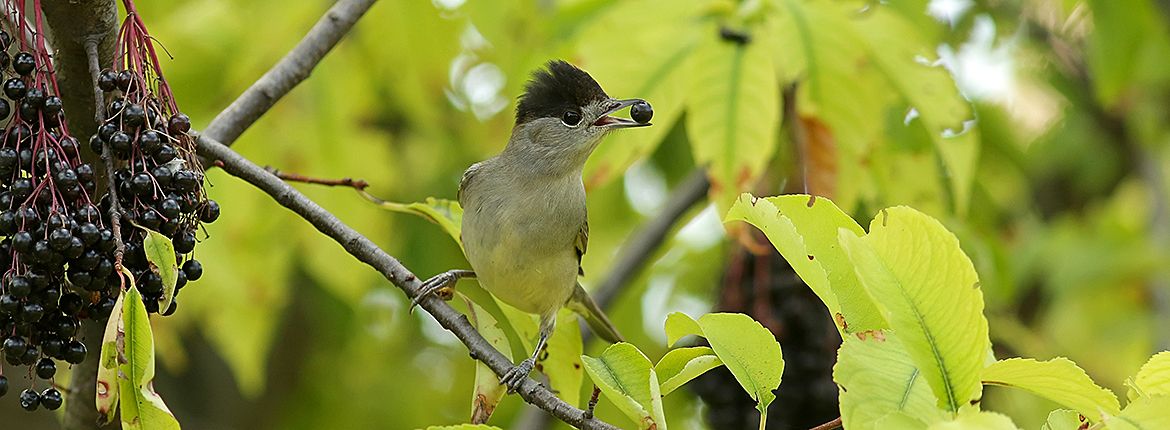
611, 122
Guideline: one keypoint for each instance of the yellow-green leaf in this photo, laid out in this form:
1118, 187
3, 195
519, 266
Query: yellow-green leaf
1062, 419
681, 365
878, 378
141, 408
624, 374
488, 390
679, 325
804, 230
972, 419
563, 365
733, 111
1148, 413
465, 427
160, 253
446, 213
1059, 380
113, 342
748, 350
929, 292
1154, 377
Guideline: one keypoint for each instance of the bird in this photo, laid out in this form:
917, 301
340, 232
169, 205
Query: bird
525, 225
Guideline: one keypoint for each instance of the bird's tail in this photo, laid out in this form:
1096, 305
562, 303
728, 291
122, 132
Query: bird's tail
584, 305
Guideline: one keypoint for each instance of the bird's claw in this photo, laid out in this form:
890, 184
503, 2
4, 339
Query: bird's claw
517, 374
436, 285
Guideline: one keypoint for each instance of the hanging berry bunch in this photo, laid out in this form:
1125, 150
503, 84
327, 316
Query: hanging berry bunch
55, 252
159, 183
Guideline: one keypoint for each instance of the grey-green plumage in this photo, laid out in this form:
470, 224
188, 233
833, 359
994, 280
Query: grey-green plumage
525, 226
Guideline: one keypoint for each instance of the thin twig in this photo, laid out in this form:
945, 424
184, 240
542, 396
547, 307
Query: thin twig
831, 425
107, 158
357, 184
367, 252
286, 74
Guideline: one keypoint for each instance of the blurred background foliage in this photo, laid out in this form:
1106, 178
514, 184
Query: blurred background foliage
1037, 130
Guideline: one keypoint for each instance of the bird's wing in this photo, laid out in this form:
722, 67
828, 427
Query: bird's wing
468, 176
582, 245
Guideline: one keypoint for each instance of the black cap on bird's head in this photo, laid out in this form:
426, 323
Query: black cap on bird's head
561, 90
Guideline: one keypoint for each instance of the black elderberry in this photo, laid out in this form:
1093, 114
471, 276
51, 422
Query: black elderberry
51, 399
120, 143
74, 352
7, 223
30, 354
185, 181
150, 219
180, 281
15, 346
19, 286
180, 123
66, 177
70, 303
89, 233
184, 242
151, 303
3, 385
4, 60
171, 308
150, 283
29, 400
75, 249
168, 208
53, 347
23, 63
22, 241
21, 188
149, 141
123, 80
103, 308
115, 108
5, 40
80, 279
28, 112
15, 88
133, 115
107, 80
53, 106
193, 269
170, 227
95, 144
107, 130
66, 326
31, 312
59, 238
5, 109
46, 368
104, 268
162, 175
165, 154
9, 304
35, 97
84, 172
141, 184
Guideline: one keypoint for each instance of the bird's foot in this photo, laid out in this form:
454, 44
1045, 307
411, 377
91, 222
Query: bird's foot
439, 284
517, 374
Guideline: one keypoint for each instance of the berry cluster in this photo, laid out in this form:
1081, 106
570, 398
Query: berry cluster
160, 185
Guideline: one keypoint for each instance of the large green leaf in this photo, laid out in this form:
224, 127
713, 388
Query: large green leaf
733, 111
488, 390
898, 51
624, 374
1059, 380
1154, 377
141, 407
563, 365
929, 292
662, 46
804, 230
878, 378
160, 253
748, 350
113, 341
681, 365
446, 213
1147, 413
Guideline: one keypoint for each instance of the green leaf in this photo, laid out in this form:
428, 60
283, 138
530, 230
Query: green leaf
681, 365
972, 419
465, 427
624, 374
679, 325
662, 49
113, 342
141, 407
749, 351
1062, 419
160, 253
897, 49
1059, 380
488, 390
804, 230
929, 292
1154, 377
878, 378
899, 420
1147, 413
733, 111
446, 213
563, 364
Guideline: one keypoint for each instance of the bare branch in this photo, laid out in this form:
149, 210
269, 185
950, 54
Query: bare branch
638, 250
367, 252
290, 71
72, 25
357, 184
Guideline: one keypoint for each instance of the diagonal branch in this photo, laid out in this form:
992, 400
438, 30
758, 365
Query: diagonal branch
294, 68
367, 252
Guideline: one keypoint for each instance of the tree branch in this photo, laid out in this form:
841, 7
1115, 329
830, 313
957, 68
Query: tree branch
286, 74
367, 252
73, 24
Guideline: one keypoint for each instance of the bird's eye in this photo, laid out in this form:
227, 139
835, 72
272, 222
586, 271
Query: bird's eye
571, 118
